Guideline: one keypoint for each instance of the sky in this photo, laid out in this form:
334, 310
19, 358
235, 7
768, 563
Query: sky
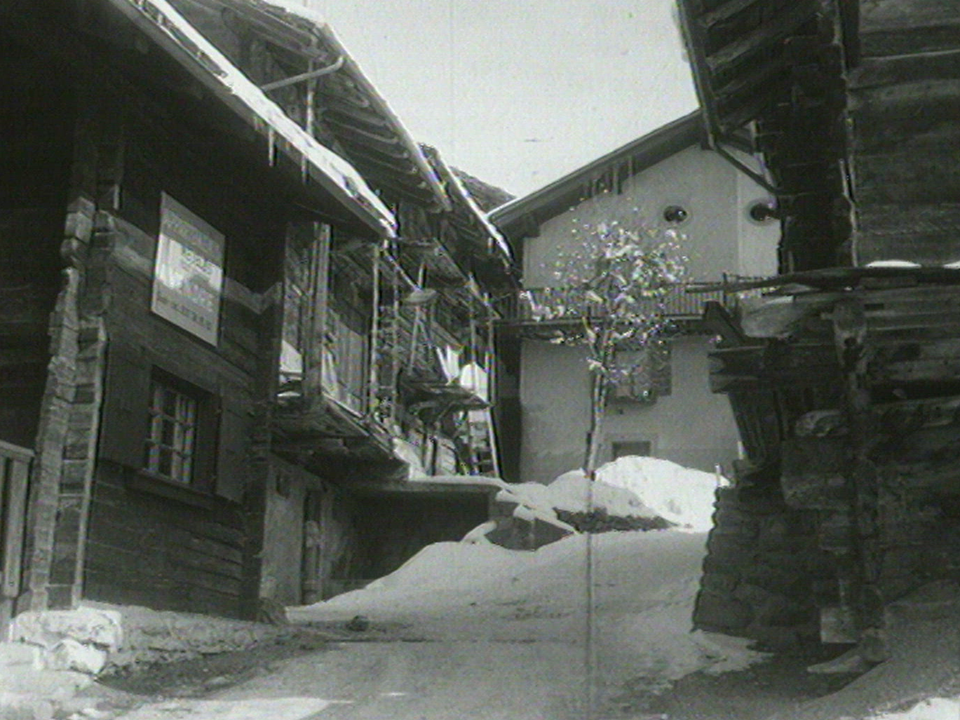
520, 92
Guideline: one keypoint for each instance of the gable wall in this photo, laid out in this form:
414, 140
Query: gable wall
717, 237
691, 426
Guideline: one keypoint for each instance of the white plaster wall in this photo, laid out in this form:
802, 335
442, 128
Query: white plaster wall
716, 236
555, 410
757, 241
691, 426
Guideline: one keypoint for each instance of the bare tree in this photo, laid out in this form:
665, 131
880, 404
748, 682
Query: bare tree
613, 290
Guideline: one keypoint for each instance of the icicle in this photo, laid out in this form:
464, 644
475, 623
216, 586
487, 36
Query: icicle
271, 147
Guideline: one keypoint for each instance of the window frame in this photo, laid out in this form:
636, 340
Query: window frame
643, 383
205, 439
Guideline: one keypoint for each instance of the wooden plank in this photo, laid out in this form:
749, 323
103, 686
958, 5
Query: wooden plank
874, 73
922, 172
725, 11
157, 535
176, 520
16, 452
931, 230
928, 371
915, 321
18, 471
160, 592
788, 21
918, 39
901, 27
896, 14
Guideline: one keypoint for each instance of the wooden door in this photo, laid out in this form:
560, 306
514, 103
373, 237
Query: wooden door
14, 478
312, 574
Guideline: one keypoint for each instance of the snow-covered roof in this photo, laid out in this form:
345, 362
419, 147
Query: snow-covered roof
498, 240
372, 135
573, 188
456, 189
166, 26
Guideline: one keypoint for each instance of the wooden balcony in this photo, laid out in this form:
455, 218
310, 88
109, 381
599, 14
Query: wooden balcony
554, 307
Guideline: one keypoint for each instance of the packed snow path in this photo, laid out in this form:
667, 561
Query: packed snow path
476, 631
473, 631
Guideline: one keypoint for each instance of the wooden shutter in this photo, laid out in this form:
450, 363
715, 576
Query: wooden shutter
123, 429
233, 457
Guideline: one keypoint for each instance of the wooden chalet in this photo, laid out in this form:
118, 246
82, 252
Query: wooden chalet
842, 371
220, 353
148, 191
388, 362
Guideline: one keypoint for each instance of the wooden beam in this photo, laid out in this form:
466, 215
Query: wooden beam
725, 11
788, 21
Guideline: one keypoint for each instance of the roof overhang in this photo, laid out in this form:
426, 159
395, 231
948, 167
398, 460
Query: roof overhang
518, 217
163, 24
359, 119
740, 56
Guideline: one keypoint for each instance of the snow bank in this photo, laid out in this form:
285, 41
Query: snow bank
930, 709
628, 487
645, 588
920, 681
681, 495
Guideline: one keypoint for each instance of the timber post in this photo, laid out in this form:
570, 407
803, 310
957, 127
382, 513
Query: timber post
70, 410
860, 564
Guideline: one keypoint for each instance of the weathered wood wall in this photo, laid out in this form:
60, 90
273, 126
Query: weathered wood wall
36, 124
904, 100
153, 542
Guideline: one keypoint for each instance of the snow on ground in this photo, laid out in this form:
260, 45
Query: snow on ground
645, 582
920, 681
931, 709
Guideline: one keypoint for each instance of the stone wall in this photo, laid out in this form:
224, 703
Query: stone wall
762, 570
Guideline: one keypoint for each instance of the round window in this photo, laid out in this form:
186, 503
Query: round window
675, 214
763, 211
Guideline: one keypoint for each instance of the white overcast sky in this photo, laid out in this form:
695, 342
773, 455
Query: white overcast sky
520, 92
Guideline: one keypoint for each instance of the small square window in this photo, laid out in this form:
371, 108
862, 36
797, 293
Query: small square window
172, 436
642, 375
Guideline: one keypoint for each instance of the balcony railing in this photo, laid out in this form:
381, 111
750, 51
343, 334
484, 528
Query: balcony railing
681, 301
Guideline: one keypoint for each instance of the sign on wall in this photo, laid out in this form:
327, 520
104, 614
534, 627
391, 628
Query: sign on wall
188, 273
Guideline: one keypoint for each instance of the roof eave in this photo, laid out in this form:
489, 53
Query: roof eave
174, 34
353, 69
655, 146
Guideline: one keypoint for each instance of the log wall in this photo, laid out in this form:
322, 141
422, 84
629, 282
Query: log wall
904, 99
36, 121
189, 547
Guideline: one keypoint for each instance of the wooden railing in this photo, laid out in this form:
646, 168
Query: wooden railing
681, 301
14, 476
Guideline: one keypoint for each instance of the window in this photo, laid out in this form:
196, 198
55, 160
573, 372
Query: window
172, 436
642, 375
675, 214
627, 448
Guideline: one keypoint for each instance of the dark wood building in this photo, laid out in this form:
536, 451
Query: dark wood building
843, 370
147, 193
389, 364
